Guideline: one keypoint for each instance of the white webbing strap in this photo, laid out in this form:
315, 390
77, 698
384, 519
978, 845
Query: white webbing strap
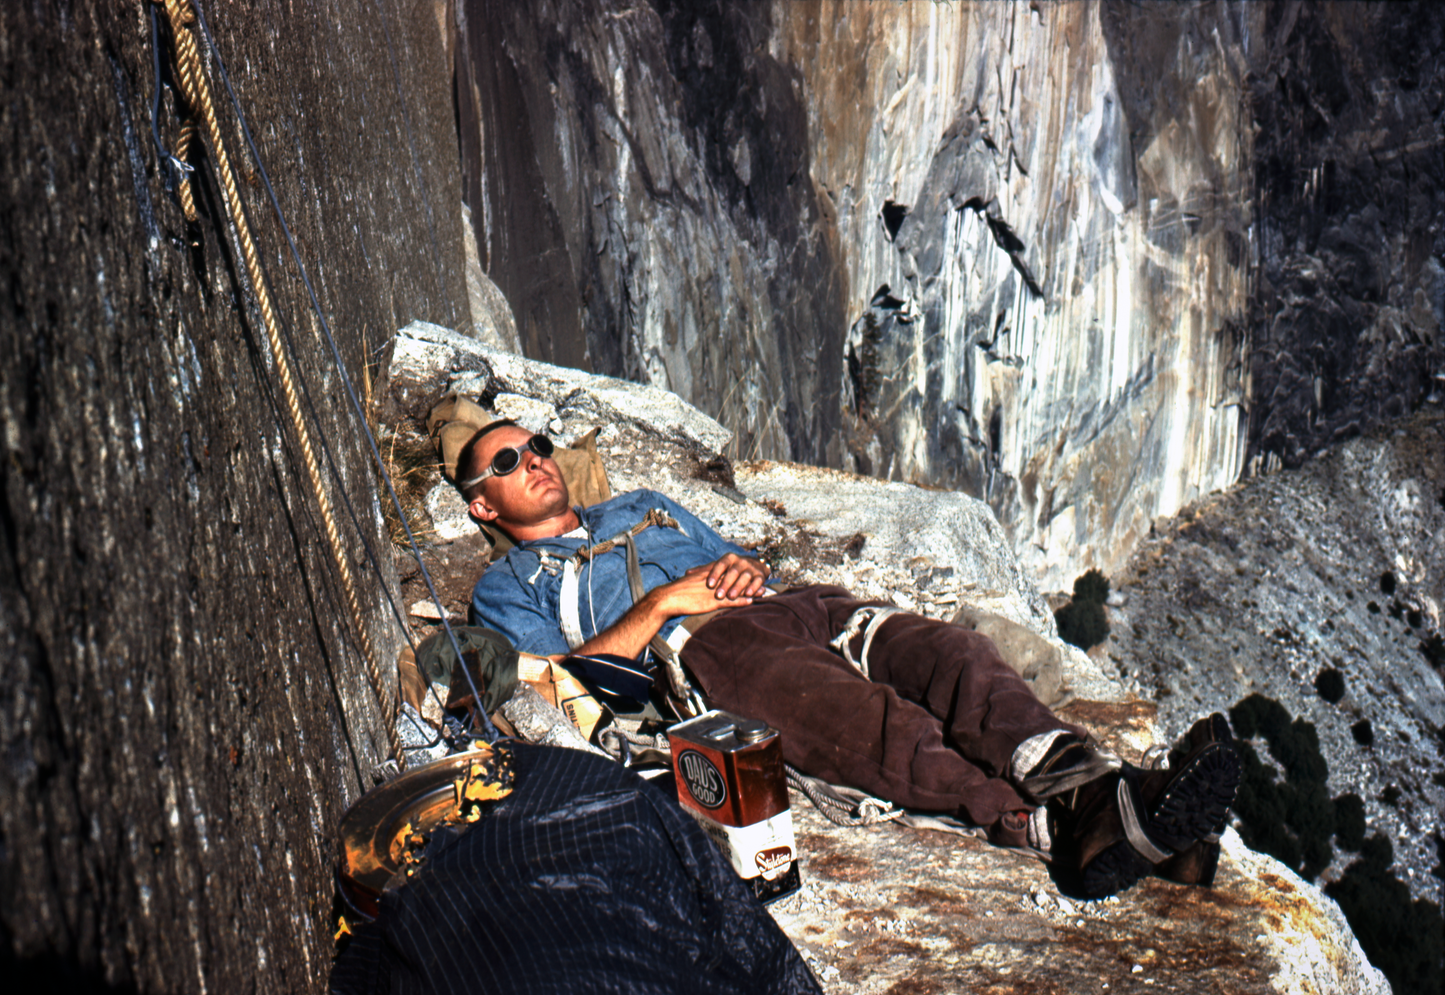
867, 620
844, 806
571, 613
685, 698
1134, 828
841, 805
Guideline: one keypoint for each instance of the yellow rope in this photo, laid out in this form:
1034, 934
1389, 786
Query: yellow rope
183, 189
653, 517
197, 92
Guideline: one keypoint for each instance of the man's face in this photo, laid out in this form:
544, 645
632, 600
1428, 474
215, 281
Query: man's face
532, 493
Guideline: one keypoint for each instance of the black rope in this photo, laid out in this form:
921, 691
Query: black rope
488, 730
290, 346
176, 170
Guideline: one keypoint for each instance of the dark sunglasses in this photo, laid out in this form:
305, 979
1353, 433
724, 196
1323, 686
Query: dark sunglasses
507, 460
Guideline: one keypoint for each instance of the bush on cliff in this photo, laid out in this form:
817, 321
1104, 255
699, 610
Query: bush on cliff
1082, 624
1293, 821
1092, 586
1083, 621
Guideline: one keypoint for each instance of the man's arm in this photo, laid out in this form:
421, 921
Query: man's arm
503, 601
731, 581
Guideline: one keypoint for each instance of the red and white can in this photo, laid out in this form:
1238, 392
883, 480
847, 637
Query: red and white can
730, 776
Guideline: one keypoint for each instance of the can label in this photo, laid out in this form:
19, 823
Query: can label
764, 849
703, 779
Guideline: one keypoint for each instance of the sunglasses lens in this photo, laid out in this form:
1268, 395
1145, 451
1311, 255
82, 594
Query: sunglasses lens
508, 460
505, 462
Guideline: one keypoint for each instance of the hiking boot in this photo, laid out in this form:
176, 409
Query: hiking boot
1122, 826
1198, 863
1068, 762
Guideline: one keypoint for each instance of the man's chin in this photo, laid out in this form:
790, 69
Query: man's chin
553, 502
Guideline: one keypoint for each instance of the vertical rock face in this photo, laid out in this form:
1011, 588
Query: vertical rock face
641, 192
1068, 258
1049, 291
1350, 162
183, 713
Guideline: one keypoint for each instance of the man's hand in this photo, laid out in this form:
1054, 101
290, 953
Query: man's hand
731, 581
736, 576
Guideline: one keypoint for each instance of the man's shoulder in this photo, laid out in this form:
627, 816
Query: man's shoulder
639, 496
636, 502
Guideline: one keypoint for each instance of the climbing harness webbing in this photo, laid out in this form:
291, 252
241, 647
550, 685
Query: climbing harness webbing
571, 614
654, 516
197, 96
867, 620
685, 699
570, 595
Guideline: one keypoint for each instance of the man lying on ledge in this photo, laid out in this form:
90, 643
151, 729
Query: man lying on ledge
939, 723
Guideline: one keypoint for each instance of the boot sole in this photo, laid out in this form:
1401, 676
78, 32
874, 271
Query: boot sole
1114, 870
1194, 805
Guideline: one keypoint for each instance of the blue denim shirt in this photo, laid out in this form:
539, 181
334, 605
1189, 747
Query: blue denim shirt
520, 595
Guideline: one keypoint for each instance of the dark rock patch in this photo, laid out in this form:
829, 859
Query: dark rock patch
893, 215
1345, 325
1330, 684
1363, 732
1434, 651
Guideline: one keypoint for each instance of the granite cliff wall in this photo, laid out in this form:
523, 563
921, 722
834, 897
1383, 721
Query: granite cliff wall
183, 713
1074, 259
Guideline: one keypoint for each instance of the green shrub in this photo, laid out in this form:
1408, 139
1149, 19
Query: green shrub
1403, 938
1082, 624
1259, 716
1350, 821
1092, 586
1294, 820
1297, 747
1330, 683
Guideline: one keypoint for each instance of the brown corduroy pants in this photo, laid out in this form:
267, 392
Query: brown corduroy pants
934, 728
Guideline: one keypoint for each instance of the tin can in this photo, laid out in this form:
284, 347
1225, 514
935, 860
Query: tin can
730, 776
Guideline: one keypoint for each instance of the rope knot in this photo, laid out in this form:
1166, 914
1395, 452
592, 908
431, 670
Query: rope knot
872, 810
180, 12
